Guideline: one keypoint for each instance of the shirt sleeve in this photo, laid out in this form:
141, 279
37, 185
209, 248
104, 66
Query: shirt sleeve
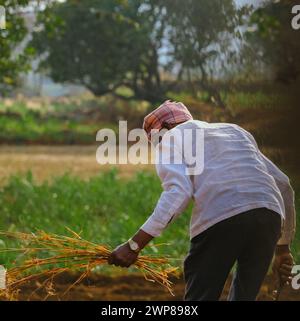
177, 190
287, 193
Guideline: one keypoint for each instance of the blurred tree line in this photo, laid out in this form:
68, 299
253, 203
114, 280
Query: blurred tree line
152, 47
274, 39
12, 64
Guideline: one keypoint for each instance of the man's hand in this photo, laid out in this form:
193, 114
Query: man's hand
283, 263
122, 256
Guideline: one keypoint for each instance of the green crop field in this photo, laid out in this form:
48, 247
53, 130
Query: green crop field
105, 209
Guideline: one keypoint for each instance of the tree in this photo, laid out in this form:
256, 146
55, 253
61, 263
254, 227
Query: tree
275, 41
12, 62
102, 46
107, 44
200, 33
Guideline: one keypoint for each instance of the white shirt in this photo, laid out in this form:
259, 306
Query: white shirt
236, 177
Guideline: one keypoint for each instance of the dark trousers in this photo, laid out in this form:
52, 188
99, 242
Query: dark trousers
248, 239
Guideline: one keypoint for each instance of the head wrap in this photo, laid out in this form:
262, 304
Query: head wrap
167, 115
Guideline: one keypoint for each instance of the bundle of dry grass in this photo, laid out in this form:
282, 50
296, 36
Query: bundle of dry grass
46, 255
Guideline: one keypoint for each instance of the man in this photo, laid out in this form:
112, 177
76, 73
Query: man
243, 207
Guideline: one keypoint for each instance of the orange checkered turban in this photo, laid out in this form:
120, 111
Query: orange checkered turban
166, 115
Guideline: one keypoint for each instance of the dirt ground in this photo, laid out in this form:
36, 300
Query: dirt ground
133, 287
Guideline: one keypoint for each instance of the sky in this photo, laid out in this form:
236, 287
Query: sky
243, 2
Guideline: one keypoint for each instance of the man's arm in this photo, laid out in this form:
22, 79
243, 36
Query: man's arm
177, 192
173, 200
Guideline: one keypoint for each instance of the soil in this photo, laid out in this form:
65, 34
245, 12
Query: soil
133, 287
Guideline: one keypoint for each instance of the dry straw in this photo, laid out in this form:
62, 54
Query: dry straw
46, 255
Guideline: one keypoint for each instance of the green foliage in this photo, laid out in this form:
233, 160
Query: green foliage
79, 46
200, 30
105, 208
274, 41
201, 36
13, 62
255, 100
50, 131
112, 44
66, 122
77, 121
22, 125
103, 46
